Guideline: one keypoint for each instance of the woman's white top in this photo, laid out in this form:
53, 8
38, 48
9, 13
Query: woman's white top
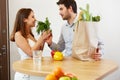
21, 76
22, 53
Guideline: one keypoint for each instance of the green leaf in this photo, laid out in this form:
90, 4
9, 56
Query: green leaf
96, 18
87, 8
86, 15
47, 22
43, 26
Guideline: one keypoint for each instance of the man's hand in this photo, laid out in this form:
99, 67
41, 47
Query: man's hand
49, 40
96, 56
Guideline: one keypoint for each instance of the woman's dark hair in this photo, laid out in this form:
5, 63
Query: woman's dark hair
69, 3
19, 24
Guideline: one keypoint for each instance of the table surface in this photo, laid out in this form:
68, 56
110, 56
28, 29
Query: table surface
84, 70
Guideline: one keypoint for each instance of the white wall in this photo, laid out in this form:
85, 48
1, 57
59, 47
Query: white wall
108, 30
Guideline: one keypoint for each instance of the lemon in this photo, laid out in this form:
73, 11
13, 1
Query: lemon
58, 56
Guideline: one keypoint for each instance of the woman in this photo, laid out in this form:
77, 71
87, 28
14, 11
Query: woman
25, 40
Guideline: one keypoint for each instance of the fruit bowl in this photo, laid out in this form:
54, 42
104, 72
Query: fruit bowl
59, 74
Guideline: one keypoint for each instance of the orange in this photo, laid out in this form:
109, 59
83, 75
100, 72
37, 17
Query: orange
50, 77
58, 72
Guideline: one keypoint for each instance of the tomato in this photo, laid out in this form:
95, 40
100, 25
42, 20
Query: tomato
52, 53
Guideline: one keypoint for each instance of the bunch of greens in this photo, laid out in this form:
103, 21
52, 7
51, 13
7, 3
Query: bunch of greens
85, 15
96, 18
43, 26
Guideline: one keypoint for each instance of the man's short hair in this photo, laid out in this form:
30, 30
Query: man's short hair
69, 3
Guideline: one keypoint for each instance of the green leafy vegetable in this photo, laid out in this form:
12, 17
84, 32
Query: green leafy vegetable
43, 26
96, 18
85, 15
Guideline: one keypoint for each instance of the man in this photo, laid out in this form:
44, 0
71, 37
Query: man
68, 11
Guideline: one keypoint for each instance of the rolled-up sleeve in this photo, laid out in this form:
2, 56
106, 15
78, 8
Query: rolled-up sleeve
101, 46
59, 46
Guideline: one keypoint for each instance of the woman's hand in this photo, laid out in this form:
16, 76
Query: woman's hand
45, 35
49, 40
48, 37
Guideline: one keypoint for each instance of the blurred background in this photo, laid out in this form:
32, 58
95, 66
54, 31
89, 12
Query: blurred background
109, 26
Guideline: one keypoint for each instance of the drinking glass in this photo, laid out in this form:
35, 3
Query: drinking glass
37, 57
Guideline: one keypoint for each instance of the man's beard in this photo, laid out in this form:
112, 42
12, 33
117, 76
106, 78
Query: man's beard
65, 18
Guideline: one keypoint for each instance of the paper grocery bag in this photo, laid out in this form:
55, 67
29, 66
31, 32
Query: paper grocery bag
85, 40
